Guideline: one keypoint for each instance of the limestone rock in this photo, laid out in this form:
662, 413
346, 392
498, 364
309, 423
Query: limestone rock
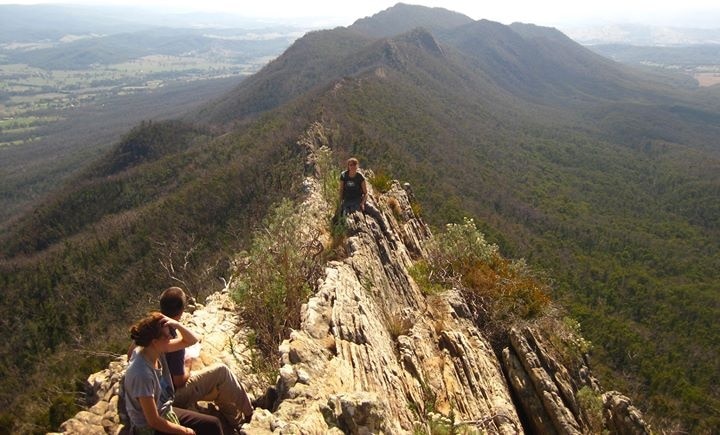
358, 412
540, 380
369, 357
621, 416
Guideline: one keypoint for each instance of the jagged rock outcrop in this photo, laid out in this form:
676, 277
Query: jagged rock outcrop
374, 354
102, 417
544, 386
621, 416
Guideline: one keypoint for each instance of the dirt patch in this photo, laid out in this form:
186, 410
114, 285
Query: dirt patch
707, 79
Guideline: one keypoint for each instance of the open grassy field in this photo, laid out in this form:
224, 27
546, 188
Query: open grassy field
32, 97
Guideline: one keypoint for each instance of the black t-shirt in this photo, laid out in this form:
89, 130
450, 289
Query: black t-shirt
352, 186
176, 360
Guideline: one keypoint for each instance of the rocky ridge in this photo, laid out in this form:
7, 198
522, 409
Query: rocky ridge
375, 355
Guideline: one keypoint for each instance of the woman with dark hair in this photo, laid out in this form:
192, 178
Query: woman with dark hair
148, 386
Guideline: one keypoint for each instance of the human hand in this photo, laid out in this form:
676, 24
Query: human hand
170, 322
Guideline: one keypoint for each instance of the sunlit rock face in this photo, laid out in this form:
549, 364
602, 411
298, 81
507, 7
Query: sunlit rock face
374, 354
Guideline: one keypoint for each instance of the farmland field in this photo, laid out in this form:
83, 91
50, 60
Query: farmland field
64, 102
31, 97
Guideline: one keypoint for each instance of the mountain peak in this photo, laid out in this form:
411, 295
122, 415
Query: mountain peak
402, 18
422, 38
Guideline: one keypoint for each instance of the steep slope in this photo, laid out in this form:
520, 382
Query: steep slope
540, 63
312, 60
373, 354
110, 241
591, 210
126, 178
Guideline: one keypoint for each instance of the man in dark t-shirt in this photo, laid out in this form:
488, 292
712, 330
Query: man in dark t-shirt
214, 383
353, 188
354, 194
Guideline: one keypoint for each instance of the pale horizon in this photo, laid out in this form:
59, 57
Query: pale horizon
557, 13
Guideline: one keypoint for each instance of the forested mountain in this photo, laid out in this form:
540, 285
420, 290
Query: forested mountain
606, 177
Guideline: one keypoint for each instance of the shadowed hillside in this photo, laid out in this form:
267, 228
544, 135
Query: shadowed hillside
605, 177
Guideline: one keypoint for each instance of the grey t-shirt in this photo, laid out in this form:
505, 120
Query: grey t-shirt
143, 380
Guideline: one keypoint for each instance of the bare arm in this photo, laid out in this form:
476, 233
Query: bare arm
185, 336
364, 195
158, 423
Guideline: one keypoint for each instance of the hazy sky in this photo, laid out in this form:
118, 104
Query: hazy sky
701, 13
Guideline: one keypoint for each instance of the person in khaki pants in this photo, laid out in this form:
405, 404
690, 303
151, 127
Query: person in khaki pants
215, 383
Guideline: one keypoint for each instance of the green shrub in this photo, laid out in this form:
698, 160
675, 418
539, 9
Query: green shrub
592, 405
499, 291
565, 335
421, 272
7, 424
338, 234
329, 175
574, 336
381, 181
63, 407
459, 248
278, 277
416, 208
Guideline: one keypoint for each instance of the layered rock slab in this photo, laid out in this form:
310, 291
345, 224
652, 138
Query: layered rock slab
372, 356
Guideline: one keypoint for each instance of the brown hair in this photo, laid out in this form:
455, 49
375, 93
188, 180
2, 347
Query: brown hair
147, 329
353, 160
173, 301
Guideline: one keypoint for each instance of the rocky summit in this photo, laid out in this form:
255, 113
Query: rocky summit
374, 354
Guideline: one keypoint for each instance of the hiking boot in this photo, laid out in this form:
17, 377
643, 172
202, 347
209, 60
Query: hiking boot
267, 400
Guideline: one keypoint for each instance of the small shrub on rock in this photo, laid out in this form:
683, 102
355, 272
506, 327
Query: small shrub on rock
499, 291
278, 277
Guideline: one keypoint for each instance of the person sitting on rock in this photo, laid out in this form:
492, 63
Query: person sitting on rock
353, 188
354, 193
214, 383
147, 386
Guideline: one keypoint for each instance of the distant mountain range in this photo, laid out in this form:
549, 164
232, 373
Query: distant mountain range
605, 176
21, 23
76, 37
